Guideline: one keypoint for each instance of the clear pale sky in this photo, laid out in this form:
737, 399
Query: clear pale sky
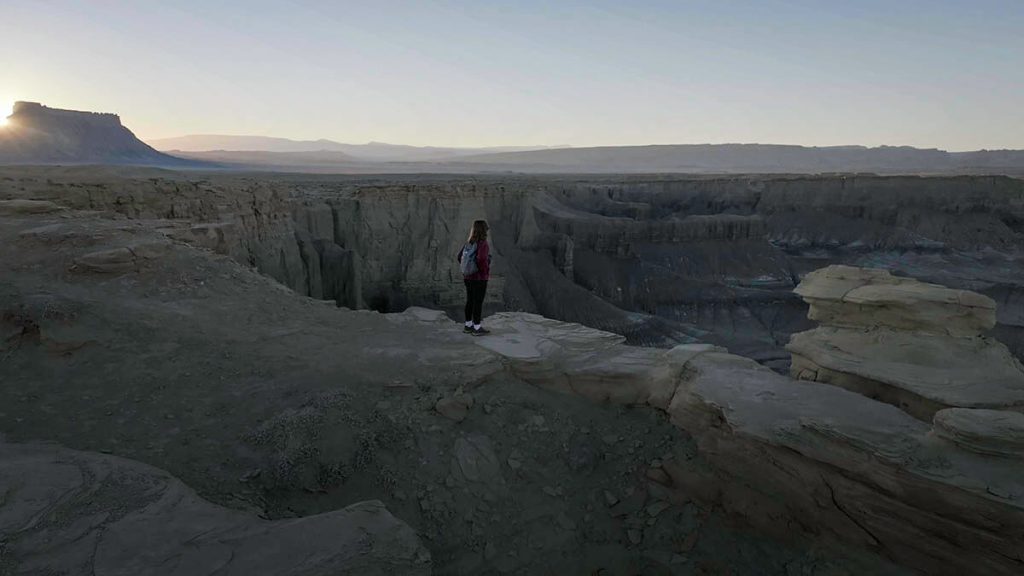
927, 73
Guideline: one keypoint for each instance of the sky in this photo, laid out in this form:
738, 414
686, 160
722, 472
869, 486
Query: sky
927, 73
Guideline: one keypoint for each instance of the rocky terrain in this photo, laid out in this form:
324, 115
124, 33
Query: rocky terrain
192, 323
121, 339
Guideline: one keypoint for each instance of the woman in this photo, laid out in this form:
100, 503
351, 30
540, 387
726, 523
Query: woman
475, 263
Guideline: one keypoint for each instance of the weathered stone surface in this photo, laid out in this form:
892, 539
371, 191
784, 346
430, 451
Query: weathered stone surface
71, 512
995, 432
914, 345
590, 362
865, 297
921, 373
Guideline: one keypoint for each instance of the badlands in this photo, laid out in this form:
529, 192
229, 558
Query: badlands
214, 373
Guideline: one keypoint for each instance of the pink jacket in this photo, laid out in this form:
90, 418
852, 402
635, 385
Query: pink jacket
483, 262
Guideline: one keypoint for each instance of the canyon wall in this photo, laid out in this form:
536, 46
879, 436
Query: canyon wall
661, 260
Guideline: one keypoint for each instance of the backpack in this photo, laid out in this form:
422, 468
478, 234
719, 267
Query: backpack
468, 262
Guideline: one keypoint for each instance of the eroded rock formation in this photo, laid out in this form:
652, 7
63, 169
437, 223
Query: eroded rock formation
914, 345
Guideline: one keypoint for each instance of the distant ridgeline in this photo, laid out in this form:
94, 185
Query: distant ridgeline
36, 134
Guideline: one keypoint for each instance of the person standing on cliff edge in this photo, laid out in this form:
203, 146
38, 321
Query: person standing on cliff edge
475, 263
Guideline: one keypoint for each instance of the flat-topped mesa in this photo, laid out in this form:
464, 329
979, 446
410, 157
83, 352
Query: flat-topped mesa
37, 134
36, 110
847, 296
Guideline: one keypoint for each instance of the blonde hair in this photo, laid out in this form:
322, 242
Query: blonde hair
478, 231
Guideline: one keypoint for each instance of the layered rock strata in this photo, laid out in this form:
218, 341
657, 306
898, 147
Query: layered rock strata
659, 259
917, 346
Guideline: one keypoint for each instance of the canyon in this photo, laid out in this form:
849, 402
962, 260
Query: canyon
662, 260
686, 374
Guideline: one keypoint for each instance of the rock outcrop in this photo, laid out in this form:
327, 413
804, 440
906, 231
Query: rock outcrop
851, 297
914, 345
796, 457
70, 512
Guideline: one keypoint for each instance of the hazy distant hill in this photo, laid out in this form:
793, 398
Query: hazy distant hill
373, 151
685, 158
763, 158
210, 142
319, 161
35, 134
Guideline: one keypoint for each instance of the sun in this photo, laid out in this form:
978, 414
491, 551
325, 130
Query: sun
6, 109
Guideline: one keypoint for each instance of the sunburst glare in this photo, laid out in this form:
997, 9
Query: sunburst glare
6, 108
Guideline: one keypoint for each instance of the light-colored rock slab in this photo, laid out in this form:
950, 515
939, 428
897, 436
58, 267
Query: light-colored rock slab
921, 373
589, 362
863, 297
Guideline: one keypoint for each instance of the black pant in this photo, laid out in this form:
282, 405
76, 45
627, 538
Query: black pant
475, 290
